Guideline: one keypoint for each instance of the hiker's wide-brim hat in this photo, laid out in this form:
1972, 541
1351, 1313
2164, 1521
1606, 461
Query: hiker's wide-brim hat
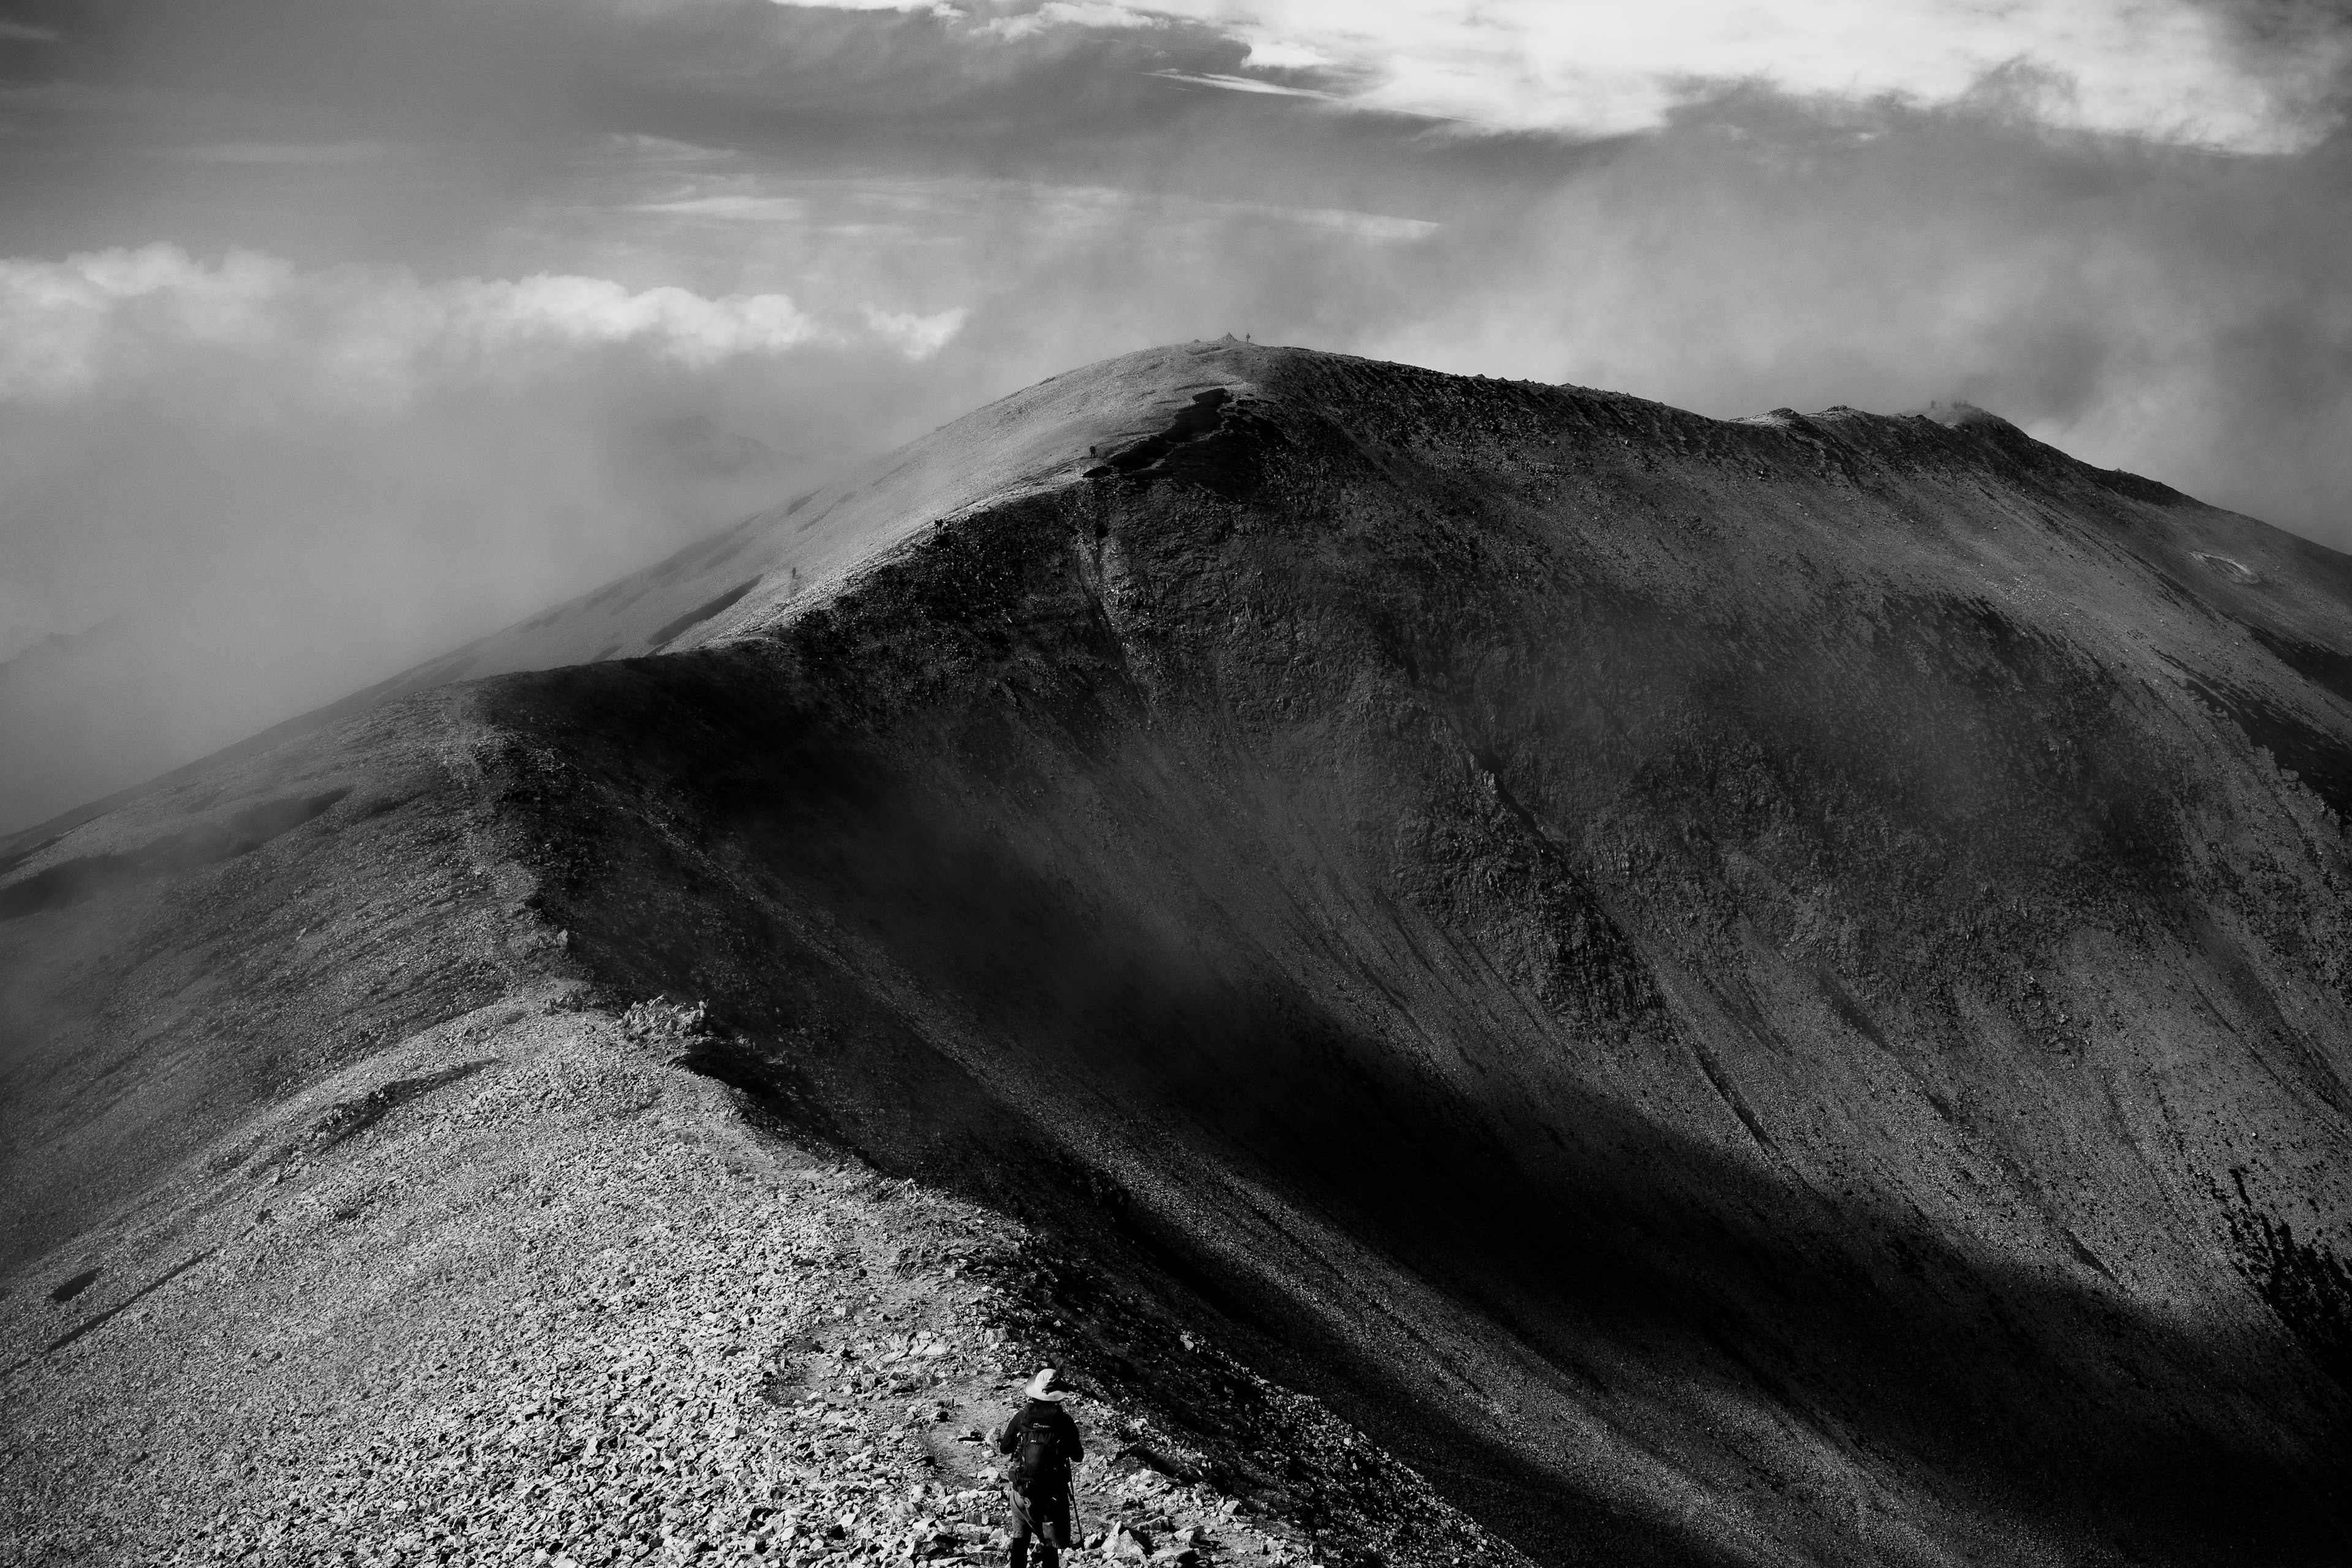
1044, 1386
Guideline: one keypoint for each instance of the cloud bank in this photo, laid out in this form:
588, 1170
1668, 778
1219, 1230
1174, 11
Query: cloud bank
2175, 70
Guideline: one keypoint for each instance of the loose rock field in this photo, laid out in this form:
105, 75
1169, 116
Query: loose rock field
521, 1291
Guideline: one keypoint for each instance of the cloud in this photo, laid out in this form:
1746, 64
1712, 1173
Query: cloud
1380, 227
641, 148
671, 323
1270, 52
917, 337
739, 208
364, 335
23, 32
1069, 13
2175, 70
1243, 84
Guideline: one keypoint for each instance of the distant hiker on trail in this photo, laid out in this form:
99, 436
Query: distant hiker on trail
1043, 1443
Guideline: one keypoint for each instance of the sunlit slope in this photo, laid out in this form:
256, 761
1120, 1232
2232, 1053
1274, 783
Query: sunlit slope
1751, 992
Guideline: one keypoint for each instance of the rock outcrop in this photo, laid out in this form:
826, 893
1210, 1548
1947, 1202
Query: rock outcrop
1727, 992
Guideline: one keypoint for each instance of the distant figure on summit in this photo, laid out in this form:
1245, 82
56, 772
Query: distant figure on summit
1043, 1443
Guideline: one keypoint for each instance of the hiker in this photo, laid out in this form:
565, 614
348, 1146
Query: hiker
1043, 1443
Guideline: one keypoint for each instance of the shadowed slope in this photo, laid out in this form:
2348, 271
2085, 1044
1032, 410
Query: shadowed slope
1737, 992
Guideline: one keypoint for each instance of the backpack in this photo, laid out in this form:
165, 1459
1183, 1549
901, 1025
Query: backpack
1040, 1445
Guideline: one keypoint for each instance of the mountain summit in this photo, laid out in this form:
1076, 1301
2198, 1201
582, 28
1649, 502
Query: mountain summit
1717, 992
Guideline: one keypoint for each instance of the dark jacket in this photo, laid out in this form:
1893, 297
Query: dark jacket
1067, 1449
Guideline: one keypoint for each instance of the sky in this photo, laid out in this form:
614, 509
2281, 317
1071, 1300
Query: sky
334, 333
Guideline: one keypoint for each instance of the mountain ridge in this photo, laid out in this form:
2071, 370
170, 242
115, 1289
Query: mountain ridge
516, 647
1728, 990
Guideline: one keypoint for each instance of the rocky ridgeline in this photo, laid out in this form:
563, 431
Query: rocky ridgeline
563, 1304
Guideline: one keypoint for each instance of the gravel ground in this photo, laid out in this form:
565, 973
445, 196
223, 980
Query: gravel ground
519, 1291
